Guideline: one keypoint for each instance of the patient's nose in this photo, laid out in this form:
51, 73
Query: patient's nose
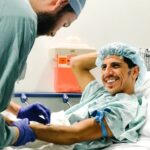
108, 71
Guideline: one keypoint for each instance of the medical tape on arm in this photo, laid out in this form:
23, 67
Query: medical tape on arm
99, 116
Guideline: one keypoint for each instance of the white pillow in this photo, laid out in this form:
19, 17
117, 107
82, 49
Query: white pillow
145, 130
145, 90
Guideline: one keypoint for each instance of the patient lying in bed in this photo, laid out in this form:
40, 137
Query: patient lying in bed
141, 144
108, 112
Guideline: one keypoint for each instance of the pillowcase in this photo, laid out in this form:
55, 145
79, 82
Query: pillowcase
145, 130
145, 91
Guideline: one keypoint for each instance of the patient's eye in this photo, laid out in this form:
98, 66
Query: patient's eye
103, 66
115, 65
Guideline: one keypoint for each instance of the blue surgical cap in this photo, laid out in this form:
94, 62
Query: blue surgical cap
77, 5
125, 50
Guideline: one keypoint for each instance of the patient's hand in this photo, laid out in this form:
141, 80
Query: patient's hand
8, 120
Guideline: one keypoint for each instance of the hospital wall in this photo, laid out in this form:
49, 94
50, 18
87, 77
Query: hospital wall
101, 22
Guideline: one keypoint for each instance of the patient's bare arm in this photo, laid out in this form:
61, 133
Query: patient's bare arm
85, 130
81, 66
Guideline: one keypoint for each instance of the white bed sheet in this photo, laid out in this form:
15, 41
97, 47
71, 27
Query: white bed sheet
39, 145
142, 144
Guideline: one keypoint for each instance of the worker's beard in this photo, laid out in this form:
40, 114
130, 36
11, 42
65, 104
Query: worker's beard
46, 23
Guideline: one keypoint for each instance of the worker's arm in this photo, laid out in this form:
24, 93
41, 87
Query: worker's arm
85, 130
15, 132
81, 66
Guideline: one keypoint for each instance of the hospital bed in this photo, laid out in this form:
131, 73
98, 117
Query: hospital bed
142, 144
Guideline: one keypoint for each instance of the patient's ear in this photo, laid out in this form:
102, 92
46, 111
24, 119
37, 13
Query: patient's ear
135, 72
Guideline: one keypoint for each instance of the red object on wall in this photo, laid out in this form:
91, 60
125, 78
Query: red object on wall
64, 79
65, 82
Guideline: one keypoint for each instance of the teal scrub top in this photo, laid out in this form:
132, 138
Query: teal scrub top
127, 115
18, 29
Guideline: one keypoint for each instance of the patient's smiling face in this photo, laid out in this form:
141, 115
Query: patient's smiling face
116, 76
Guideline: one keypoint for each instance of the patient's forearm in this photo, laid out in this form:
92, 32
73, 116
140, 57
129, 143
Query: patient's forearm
54, 134
78, 132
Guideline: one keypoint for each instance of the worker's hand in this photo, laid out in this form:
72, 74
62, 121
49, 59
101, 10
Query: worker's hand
35, 112
25, 132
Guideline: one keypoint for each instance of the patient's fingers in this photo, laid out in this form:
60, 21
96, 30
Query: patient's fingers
8, 120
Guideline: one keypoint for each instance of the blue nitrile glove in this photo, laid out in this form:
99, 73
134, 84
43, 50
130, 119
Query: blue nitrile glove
35, 112
25, 132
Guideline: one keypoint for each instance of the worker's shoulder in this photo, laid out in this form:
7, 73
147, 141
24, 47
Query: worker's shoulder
16, 9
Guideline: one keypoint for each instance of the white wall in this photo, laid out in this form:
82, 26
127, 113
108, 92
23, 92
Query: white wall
101, 22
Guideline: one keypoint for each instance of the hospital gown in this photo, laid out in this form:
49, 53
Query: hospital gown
18, 29
126, 117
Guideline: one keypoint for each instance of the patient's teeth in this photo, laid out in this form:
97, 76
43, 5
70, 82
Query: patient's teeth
110, 81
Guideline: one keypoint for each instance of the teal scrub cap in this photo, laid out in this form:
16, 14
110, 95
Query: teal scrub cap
125, 50
77, 5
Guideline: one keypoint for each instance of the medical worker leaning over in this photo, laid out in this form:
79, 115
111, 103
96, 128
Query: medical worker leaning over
109, 111
21, 21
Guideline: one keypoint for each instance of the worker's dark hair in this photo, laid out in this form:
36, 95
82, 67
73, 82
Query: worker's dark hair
66, 8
